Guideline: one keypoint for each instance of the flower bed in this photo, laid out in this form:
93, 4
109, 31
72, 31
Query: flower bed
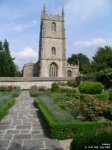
65, 129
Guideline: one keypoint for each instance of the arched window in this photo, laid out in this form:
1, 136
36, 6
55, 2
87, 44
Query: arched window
53, 51
54, 26
69, 73
53, 71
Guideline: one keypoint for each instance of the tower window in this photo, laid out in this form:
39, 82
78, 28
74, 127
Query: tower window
53, 51
69, 73
54, 26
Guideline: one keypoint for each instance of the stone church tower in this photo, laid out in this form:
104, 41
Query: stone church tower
52, 49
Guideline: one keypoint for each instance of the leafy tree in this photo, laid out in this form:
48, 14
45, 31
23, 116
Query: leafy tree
1, 46
102, 59
105, 77
82, 60
7, 66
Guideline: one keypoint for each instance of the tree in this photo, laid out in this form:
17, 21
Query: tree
83, 60
102, 59
7, 66
1, 46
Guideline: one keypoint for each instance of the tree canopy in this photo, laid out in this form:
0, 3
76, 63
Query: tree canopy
102, 59
82, 60
7, 65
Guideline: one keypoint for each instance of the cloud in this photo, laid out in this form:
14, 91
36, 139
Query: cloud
18, 27
25, 56
89, 43
82, 10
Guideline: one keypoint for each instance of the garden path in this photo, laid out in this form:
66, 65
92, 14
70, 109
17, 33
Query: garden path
22, 128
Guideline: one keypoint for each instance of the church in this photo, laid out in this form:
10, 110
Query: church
52, 60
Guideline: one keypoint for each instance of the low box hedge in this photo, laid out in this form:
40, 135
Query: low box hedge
102, 140
4, 107
67, 130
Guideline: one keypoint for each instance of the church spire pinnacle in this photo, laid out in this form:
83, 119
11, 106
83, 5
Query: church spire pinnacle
62, 10
44, 9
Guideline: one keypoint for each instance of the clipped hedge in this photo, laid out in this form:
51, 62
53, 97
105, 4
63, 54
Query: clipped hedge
67, 130
92, 140
91, 87
4, 107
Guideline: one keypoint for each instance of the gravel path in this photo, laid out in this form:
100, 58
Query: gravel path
22, 128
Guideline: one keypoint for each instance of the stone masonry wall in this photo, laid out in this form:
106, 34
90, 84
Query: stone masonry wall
26, 83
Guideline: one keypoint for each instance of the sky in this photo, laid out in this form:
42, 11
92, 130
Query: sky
88, 25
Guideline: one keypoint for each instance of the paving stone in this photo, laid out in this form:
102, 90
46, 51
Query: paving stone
2, 127
52, 144
1, 137
39, 132
16, 145
8, 137
22, 136
33, 145
23, 127
13, 132
4, 145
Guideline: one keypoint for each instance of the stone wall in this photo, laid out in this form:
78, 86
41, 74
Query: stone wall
26, 83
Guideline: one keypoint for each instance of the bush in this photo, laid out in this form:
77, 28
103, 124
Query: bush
55, 87
68, 89
72, 83
110, 93
16, 92
104, 96
91, 87
92, 140
42, 88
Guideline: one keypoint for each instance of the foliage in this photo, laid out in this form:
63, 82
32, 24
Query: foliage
55, 87
7, 66
91, 87
67, 89
105, 77
104, 96
59, 114
16, 92
83, 60
102, 59
110, 93
42, 88
72, 83
92, 108
4, 106
92, 140
66, 130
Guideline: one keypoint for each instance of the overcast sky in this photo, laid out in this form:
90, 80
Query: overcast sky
88, 25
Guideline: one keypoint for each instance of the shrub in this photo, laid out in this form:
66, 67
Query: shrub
67, 89
110, 93
55, 87
72, 83
104, 96
91, 87
3, 88
92, 140
16, 92
42, 88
